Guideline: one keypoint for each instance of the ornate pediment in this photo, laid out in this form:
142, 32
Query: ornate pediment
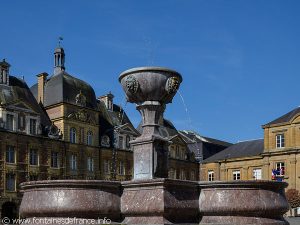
126, 128
20, 106
83, 116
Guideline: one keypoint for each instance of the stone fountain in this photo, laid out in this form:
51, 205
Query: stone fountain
152, 198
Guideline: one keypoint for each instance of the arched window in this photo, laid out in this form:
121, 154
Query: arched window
89, 139
73, 135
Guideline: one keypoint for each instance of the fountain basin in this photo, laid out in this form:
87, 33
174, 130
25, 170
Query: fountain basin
150, 84
71, 198
243, 202
160, 201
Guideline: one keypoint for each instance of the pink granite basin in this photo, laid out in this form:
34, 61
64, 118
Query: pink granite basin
243, 202
71, 198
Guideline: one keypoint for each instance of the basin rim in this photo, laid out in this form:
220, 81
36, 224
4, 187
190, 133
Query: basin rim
149, 69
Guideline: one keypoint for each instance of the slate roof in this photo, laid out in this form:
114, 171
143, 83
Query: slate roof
63, 87
168, 130
192, 136
285, 118
111, 118
240, 149
18, 91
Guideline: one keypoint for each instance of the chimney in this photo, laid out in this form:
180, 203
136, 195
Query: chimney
107, 100
4, 72
42, 78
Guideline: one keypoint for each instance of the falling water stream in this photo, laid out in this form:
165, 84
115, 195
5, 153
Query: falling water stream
123, 107
190, 126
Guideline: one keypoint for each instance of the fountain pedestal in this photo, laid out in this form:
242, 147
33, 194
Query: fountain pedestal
160, 201
150, 149
151, 88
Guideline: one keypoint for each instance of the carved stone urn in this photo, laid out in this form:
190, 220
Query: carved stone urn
151, 88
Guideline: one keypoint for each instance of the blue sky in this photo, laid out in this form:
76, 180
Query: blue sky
240, 60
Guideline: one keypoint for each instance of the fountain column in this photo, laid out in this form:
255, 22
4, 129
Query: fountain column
151, 198
151, 88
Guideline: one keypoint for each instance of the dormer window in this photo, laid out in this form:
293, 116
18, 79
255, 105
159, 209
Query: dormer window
280, 141
32, 129
10, 122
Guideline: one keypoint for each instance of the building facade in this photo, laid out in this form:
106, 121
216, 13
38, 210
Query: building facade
255, 159
58, 129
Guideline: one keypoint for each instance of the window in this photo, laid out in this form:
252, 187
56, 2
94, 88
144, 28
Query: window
127, 142
121, 168
257, 175
73, 135
10, 182
106, 166
21, 121
280, 141
182, 154
182, 175
10, 154
89, 139
193, 175
32, 127
9, 122
236, 174
33, 157
177, 152
82, 135
172, 173
73, 162
90, 164
172, 152
280, 167
54, 159
121, 142
211, 175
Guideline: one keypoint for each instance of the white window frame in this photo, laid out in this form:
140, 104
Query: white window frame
211, 175
236, 174
89, 138
90, 164
106, 167
280, 141
73, 162
193, 175
28, 124
33, 153
10, 159
13, 121
121, 168
257, 173
54, 160
73, 135
33, 129
182, 174
8, 175
280, 165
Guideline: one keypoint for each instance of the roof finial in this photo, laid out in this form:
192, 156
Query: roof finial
60, 39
